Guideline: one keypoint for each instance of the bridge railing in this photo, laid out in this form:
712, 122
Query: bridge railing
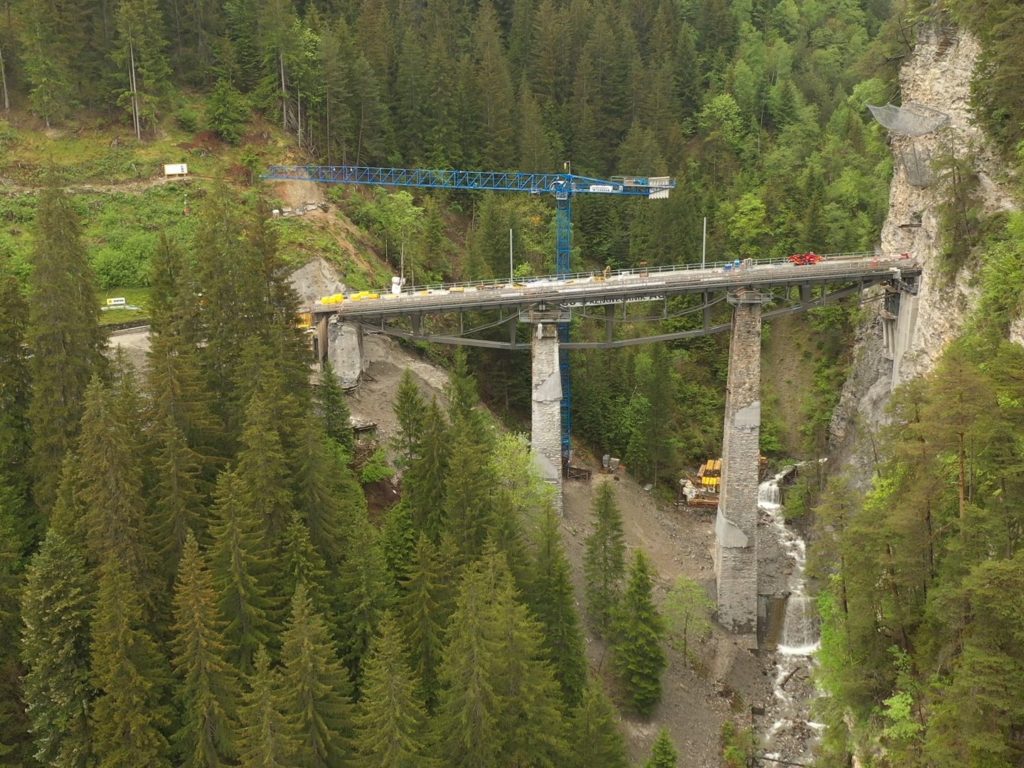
631, 272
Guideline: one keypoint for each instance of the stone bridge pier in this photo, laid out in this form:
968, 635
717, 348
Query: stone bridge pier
736, 522
546, 398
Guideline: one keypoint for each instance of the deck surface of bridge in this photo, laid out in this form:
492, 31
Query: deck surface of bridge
595, 288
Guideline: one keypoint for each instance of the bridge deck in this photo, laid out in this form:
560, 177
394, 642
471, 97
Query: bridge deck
594, 288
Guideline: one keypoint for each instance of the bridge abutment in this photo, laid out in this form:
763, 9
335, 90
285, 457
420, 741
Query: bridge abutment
546, 399
736, 521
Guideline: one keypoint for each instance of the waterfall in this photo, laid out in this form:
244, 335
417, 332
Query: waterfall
768, 495
791, 735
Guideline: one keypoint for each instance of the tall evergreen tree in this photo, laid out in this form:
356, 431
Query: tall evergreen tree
55, 611
639, 656
129, 716
468, 504
411, 410
365, 591
594, 735
425, 607
208, 684
605, 560
316, 687
177, 502
263, 472
111, 486
551, 599
239, 561
425, 478
267, 736
334, 409
140, 53
391, 720
63, 334
466, 721
14, 399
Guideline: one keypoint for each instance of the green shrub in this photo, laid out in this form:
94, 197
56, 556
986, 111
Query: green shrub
187, 119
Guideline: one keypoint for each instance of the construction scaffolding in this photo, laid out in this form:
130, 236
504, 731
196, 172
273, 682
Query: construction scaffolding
913, 121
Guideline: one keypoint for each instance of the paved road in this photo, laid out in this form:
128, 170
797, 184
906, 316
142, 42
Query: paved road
591, 289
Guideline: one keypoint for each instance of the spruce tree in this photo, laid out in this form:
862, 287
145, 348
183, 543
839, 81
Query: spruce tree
663, 753
424, 482
605, 560
466, 721
14, 399
263, 472
129, 672
411, 410
240, 563
391, 720
365, 591
334, 409
639, 657
327, 493
398, 540
177, 501
140, 54
15, 741
552, 601
63, 334
316, 688
267, 736
110, 482
594, 735
469, 493
529, 721
425, 605
55, 611
208, 686
302, 564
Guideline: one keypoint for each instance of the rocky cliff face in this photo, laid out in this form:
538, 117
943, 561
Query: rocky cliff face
937, 77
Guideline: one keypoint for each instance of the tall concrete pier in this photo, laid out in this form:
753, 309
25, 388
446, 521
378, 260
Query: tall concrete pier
546, 425
736, 523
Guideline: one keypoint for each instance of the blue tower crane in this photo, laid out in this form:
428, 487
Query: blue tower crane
564, 186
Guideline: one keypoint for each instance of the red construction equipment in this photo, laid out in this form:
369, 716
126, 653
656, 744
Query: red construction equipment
803, 259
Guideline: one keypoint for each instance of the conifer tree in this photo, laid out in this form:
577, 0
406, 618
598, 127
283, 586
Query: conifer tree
55, 612
365, 591
551, 599
334, 409
208, 688
110, 485
15, 741
129, 716
327, 493
529, 721
605, 560
425, 607
14, 398
267, 736
466, 721
304, 565
316, 688
263, 472
63, 334
398, 540
176, 497
411, 410
391, 719
468, 503
594, 735
639, 657
140, 54
240, 560
663, 753
425, 478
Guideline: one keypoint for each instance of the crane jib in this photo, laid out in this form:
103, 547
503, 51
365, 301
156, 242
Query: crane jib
558, 184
